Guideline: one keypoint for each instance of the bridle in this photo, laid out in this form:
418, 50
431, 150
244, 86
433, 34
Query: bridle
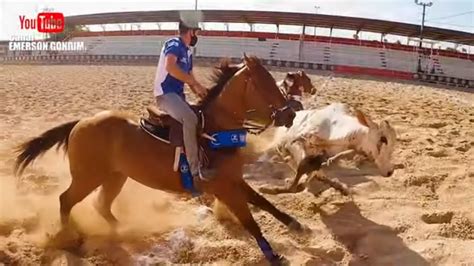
250, 127
255, 129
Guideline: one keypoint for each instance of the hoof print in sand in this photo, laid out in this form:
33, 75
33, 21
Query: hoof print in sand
438, 153
437, 217
463, 148
436, 125
416, 181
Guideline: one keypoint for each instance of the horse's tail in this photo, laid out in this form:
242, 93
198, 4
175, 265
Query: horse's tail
30, 150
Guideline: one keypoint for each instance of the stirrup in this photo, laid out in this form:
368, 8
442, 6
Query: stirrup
208, 177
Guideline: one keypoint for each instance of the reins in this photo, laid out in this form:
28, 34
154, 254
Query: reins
250, 127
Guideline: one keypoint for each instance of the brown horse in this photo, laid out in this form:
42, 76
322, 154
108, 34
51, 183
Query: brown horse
297, 82
106, 149
294, 84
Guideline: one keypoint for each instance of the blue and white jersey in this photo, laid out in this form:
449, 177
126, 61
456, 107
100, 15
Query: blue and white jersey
164, 82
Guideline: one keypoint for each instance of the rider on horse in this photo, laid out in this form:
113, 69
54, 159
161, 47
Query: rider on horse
175, 68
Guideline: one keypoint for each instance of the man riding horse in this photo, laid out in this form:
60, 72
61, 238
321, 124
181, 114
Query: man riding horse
175, 68
106, 149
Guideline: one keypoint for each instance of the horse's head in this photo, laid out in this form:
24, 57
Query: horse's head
263, 97
299, 80
380, 143
247, 91
306, 83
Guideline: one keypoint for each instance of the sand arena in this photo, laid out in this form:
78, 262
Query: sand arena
422, 215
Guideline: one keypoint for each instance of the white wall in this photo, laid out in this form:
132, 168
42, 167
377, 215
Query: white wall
312, 52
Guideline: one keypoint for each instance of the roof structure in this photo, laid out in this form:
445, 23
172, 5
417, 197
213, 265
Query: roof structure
281, 18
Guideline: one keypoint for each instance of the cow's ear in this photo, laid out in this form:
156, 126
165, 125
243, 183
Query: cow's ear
290, 76
365, 120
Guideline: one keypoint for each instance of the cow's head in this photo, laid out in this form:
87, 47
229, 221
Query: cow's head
379, 143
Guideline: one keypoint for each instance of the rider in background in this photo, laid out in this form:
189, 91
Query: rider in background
175, 68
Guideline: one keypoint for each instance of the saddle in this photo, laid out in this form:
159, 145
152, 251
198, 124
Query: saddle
165, 128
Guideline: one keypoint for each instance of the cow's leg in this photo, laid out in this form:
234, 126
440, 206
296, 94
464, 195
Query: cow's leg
304, 165
342, 155
297, 151
308, 165
332, 183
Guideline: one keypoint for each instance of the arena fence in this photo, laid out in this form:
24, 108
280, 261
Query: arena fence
153, 59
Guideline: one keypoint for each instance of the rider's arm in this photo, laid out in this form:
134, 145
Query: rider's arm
192, 86
173, 69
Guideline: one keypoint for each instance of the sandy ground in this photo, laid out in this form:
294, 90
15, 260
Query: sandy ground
422, 215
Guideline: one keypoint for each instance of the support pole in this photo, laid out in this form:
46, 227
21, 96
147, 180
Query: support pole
420, 46
300, 52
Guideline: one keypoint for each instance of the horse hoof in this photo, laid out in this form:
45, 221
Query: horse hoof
279, 260
295, 226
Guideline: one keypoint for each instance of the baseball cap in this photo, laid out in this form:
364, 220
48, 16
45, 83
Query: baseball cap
185, 26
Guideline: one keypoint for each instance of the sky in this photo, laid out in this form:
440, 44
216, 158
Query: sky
451, 14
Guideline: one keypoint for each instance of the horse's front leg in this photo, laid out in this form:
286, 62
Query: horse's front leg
234, 197
262, 203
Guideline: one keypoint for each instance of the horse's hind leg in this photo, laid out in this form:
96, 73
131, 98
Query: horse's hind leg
236, 201
261, 202
108, 192
81, 186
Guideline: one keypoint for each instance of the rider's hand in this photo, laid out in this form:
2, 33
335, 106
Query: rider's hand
200, 90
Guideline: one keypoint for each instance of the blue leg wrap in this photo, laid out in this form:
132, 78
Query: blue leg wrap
265, 248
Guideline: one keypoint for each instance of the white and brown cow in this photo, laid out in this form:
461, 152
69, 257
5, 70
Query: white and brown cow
319, 137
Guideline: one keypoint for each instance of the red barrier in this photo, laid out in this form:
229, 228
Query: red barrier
373, 72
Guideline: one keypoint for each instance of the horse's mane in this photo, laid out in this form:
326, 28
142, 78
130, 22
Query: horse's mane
220, 76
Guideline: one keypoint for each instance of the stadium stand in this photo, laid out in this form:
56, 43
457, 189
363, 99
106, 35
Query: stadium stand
342, 55
455, 67
285, 50
122, 45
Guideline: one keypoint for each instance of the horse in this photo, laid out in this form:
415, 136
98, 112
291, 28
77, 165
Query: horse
107, 148
294, 84
321, 137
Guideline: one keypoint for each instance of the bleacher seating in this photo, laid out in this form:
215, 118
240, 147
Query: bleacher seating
401, 60
455, 67
223, 47
314, 52
349, 55
337, 54
123, 45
